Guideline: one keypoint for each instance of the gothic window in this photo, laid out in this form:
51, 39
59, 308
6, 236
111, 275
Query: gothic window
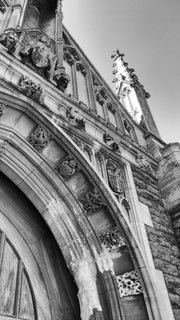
99, 164
3, 5
112, 118
82, 84
16, 296
68, 68
100, 109
129, 129
88, 153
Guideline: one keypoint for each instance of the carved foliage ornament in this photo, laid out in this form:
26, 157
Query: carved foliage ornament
129, 284
67, 168
39, 138
91, 201
112, 239
31, 89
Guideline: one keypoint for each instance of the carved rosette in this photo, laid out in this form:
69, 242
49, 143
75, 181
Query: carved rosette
39, 138
91, 201
31, 89
2, 109
112, 239
128, 284
67, 168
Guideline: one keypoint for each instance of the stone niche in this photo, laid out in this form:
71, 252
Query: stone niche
41, 14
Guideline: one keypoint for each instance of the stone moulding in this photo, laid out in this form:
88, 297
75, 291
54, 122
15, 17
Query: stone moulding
128, 284
91, 201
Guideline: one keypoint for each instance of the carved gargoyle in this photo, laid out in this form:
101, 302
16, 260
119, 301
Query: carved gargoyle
9, 40
62, 79
109, 140
75, 118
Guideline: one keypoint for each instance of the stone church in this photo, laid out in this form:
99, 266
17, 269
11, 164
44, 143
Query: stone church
89, 192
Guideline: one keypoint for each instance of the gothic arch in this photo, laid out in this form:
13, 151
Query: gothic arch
60, 208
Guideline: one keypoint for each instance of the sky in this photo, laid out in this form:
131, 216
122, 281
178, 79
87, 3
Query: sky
148, 33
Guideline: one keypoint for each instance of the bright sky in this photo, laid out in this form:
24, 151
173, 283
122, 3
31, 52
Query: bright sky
148, 33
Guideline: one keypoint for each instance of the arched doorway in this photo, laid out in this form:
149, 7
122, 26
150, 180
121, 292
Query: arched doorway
34, 280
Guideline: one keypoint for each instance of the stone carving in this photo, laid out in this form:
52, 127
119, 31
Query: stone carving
144, 164
99, 96
9, 40
91, 201
109, 140
67, 168
112, 239
38, 52
80, 67
31, 89
104, 261
129, 284
2, 109
111, 107
125, 204
127, 127
62, 79
116, 178
85, 274
39, 138
75, 118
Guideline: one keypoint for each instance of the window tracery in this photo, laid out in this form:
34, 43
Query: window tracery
129, 284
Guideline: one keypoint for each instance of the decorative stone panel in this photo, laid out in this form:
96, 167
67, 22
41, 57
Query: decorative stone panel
67, 168
39, 138
129, 284
112, 239
91, 201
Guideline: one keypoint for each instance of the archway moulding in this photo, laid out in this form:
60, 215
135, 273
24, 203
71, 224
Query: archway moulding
61, 210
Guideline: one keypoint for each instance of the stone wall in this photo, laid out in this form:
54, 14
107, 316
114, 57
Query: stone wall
161, 237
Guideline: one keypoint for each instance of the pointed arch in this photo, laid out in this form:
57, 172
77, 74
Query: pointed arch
59, 206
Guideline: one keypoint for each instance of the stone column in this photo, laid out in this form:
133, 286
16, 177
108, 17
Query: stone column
168, 173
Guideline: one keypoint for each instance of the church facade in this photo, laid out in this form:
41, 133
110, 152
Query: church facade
90, 201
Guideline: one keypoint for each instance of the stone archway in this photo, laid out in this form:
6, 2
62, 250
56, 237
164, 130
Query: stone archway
61, 206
